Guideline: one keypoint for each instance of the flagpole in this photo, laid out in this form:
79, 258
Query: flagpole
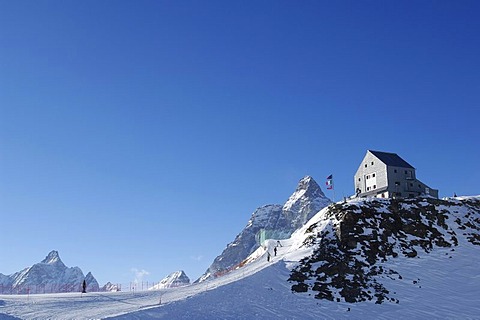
331, 185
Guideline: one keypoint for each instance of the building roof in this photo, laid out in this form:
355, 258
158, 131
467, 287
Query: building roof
391, 159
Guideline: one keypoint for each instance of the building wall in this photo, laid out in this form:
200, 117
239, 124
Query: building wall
371, 175
403, 183
399, 179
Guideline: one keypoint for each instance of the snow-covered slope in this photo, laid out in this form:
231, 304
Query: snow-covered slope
440, 282
48, 276
378, 249
173, 280
272, 221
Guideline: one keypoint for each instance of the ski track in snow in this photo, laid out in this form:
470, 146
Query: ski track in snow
443, 284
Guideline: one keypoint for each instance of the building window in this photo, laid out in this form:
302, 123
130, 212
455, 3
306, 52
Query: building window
419, 186
359, 179
395, 171
374, 186
365, 165
411, 184
373, 175
368, 188
372, 163
406, 171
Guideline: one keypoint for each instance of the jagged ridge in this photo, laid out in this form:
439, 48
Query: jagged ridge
48, 276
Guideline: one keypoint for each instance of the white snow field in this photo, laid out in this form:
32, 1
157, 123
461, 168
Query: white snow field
443, 284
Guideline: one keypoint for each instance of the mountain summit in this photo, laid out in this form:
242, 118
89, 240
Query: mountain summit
307, 200
174, 280
271, 221
53, 258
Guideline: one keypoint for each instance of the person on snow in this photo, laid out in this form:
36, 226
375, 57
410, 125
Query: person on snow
84, 286
275, 251
268, 256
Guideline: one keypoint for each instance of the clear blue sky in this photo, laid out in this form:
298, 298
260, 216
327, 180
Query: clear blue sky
143, 134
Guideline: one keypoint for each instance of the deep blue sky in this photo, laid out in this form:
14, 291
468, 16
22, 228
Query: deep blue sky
143, 134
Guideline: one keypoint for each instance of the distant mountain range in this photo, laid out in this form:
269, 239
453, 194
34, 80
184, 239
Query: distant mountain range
48, 276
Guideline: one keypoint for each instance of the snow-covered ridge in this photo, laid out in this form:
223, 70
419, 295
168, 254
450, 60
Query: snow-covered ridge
270, 221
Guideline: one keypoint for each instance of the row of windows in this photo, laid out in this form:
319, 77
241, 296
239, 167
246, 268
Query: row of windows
372, 188
399, 194
406, 171
395, 171
366, 164
368, 177
397, 183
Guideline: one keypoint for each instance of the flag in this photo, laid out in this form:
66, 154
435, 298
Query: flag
330, 182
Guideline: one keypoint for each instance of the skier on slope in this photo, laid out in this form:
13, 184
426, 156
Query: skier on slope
84, 286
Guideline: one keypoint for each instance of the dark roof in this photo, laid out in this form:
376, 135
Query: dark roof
391, 159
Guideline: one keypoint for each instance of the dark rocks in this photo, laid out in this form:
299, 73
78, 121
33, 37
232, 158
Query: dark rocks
348, 260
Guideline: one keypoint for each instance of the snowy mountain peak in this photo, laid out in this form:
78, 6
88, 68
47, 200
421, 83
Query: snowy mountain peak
53, 258
92, 283
270, 222
307, 189
49, 276
173, 280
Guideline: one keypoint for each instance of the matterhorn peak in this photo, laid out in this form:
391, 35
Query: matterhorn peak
52, 258
307, 190
310, 186
271, 222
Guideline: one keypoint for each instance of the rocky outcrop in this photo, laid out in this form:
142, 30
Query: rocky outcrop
350, 253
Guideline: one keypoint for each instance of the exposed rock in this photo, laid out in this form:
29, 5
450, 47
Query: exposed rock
349, 252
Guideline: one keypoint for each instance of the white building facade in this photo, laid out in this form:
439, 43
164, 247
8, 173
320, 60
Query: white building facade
386, 175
